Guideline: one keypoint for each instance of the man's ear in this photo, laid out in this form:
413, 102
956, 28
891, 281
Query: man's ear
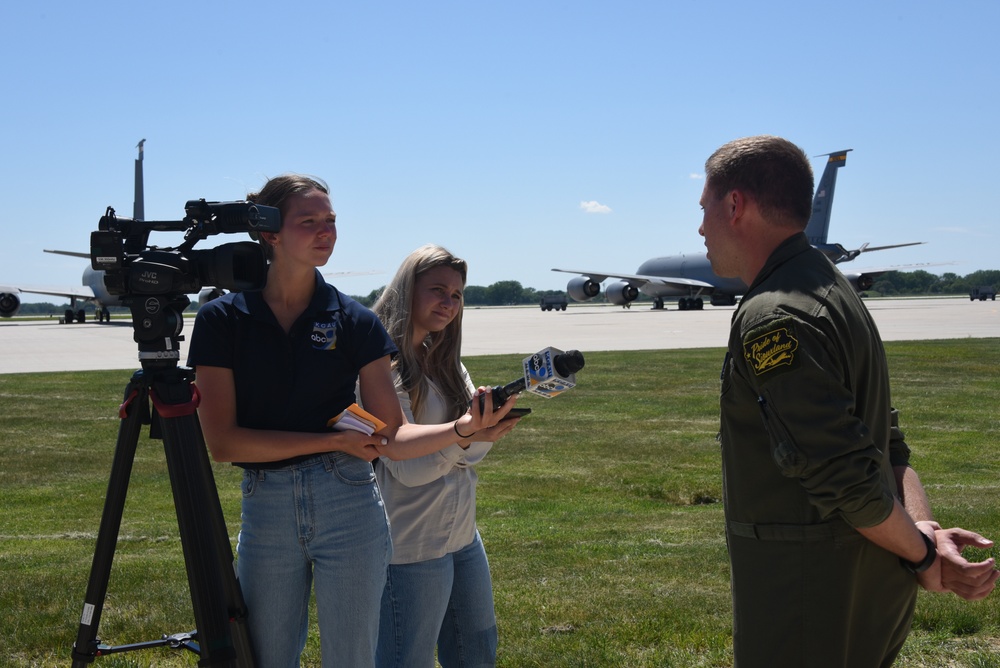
270, 238
736, 200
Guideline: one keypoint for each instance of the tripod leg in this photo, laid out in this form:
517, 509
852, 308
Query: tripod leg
134, 414
220, 612
233, 594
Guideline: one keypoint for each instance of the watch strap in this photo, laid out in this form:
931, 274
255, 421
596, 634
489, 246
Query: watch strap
924, 563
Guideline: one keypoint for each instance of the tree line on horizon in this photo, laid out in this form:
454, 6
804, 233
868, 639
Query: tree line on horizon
512, 293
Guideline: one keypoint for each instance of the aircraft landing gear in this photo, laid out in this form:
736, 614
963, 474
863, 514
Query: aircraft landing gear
70, 316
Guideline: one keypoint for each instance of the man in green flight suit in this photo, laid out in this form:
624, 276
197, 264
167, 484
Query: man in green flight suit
829, 530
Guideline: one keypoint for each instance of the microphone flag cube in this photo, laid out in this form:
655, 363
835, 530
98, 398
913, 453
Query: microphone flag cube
541, 376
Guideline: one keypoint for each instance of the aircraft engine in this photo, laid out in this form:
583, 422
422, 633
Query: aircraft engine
723, 299
10, 304
208, 294
861, 282
582, 288
621, 293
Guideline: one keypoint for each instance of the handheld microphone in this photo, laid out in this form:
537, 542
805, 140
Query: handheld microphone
546, 373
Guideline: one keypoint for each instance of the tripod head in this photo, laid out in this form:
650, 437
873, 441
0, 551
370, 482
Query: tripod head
157, 322
154, 282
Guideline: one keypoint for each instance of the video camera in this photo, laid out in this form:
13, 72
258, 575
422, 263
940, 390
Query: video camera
119, 249
154, 282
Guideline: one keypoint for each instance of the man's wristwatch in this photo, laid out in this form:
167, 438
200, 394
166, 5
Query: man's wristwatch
926, 562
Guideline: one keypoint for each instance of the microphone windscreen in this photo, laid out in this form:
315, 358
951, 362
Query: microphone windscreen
568, 363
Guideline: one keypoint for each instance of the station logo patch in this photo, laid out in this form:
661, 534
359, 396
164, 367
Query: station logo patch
324, 335
774, 348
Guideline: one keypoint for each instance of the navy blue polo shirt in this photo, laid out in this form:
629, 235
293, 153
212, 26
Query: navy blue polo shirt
295, 381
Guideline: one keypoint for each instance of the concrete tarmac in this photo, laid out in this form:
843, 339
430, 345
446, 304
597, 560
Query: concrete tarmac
32, 346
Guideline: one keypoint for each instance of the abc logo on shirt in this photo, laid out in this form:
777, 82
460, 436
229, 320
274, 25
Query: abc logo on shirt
324, 335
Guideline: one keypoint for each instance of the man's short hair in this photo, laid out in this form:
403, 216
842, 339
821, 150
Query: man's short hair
774, 172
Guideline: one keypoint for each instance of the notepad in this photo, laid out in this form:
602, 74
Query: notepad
357, 418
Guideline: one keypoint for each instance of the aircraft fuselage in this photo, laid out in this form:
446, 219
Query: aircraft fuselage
696, 267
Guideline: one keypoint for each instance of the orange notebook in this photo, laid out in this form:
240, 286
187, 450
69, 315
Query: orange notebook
357, 418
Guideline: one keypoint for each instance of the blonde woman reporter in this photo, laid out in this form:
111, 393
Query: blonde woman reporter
438, 592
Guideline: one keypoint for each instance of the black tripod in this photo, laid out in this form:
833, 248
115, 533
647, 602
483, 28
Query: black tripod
222, 638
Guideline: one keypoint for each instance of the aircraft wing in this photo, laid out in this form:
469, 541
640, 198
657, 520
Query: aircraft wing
875, 271
837, 253
85, 256
10, 300
868, 249
638, 280
863, 279
81, 292
367, 272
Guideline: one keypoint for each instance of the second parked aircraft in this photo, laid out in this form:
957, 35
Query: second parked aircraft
690, 277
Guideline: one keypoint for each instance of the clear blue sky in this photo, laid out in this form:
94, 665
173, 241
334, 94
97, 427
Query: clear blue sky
486, 126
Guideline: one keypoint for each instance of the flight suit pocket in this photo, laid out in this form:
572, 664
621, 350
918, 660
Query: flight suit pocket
725, 384
784, 450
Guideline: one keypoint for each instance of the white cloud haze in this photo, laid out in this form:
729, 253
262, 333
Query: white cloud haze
594, 206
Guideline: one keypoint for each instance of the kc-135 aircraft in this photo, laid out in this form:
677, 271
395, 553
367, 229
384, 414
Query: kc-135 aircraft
688, 277
92, 289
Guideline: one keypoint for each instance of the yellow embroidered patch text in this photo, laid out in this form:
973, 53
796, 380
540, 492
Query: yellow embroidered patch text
770, 350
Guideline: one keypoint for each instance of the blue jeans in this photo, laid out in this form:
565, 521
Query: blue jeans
321, 519
446, 602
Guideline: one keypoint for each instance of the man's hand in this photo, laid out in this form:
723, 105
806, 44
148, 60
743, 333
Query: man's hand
953, 572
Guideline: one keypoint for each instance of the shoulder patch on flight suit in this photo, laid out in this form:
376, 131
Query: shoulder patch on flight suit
324, 335
771, 346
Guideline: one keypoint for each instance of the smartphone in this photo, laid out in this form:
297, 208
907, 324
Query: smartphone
516, 412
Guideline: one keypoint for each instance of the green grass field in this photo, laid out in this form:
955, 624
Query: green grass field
601, 513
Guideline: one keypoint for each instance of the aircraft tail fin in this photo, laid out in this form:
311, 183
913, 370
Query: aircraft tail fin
138, 206
819, 222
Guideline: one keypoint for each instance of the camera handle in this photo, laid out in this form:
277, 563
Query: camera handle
222, 636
